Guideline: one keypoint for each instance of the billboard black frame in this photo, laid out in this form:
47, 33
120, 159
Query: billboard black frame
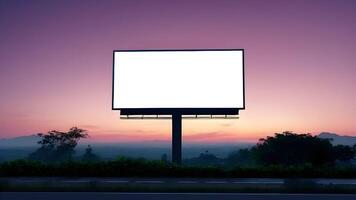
181, 111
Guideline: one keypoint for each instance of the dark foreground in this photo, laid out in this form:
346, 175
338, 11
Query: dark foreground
170, 196
177, 185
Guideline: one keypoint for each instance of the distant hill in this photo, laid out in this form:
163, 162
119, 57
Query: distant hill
338, 139
21, 141
20, 147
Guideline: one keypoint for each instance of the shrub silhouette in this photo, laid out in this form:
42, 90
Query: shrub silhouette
128, 167
89, 156
204, 159
241, 157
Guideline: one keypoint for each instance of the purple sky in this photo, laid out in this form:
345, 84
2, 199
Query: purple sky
56, 62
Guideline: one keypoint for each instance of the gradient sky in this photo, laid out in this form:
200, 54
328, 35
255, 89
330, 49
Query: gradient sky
56, 64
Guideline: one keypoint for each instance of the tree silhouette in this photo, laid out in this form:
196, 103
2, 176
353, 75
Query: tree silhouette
288, 148
164, 158
343, 152
89, 156
241, 157
57, 145
206, 159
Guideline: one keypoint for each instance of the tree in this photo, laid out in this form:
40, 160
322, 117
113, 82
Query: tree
206, 159
89, 156
240, 157
343, 152
58, 146
288, 148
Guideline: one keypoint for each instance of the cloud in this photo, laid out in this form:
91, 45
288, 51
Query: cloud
89, 127
226, 124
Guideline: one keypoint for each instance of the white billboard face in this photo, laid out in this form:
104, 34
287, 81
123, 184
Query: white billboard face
178, 79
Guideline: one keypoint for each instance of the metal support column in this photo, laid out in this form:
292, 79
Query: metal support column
177, 138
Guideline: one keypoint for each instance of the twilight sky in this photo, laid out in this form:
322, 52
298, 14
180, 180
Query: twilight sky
56, 64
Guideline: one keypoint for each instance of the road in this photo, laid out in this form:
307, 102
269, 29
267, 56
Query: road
170, 196
146, 181
171, 181
92, 184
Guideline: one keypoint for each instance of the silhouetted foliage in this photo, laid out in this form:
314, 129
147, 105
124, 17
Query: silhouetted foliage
164, 158
242, 157
206, 158
58, 146
284, 155
343, 152
288, 148
89, 156
126, 167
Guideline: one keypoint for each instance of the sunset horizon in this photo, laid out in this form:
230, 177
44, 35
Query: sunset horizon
56, 65
156, 138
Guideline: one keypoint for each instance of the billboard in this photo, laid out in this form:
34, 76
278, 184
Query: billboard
188, 81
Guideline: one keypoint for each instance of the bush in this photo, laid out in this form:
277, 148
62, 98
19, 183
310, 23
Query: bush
126, 167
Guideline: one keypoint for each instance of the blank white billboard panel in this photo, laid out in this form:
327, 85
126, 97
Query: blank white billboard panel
178, 79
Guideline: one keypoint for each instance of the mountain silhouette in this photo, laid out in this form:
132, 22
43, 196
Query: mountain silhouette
338, 139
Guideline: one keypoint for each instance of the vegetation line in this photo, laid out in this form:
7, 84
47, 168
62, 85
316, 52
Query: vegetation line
285, 155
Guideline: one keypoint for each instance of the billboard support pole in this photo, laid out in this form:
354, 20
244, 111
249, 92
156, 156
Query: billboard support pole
177, 138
